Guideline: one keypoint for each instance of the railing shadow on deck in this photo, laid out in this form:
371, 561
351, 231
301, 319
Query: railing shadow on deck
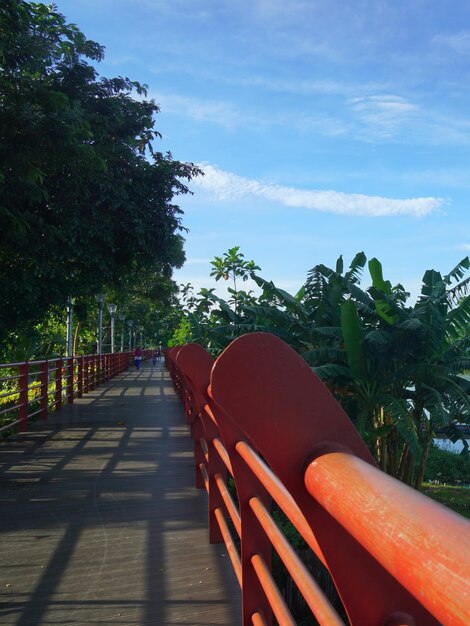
259, 414
102, 479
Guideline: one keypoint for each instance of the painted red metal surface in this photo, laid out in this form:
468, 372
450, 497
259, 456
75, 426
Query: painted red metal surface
290, 417
40, 386
264, 404
424, 545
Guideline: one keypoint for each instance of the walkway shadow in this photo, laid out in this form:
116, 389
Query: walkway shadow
101, 522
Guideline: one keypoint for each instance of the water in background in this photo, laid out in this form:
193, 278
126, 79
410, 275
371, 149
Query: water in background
446, 444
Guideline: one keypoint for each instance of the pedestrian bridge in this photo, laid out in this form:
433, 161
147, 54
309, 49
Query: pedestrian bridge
100, 522
120, 507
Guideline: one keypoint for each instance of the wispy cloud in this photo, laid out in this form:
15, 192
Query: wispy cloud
385, 114
360, 117
180, 8
458, 42
216, 112
227, 186
304, 87
229, 117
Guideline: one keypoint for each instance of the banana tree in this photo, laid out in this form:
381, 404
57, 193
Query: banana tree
406, 365
369, 386
438, 347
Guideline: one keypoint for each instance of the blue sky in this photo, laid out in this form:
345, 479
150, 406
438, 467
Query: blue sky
324, 128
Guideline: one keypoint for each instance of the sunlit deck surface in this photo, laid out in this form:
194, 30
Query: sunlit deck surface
100, 521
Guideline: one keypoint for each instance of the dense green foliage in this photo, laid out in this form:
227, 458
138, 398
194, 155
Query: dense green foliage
455, 498
395, 367
447, 468
85, 201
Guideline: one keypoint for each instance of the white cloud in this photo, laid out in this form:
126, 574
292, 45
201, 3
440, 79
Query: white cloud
228, 186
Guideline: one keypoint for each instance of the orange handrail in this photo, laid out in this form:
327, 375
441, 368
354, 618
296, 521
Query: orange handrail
398, 526
397, 558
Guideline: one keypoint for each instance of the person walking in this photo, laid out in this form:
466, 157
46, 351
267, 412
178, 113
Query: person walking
137, 358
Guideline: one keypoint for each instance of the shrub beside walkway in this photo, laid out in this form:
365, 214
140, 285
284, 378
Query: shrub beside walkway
100, 521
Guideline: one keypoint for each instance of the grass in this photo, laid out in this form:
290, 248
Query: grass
455, 497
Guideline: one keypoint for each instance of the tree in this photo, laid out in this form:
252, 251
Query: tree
395, 368
403, 365
85, 200
230, 266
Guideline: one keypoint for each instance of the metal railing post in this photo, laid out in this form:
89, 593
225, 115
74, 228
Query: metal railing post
23, 382
92, 372
58, 385
70, 381
44, 390
86, 373
80, 360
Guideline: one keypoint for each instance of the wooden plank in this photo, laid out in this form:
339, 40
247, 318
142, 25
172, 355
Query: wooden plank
99, 519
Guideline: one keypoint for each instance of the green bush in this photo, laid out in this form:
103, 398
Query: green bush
446, 467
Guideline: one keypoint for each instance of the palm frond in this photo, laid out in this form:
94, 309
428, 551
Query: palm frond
378, 338
458, 271
331, 356
458, 319
334, 372
407, 430
283, 297
433, 284
354, 273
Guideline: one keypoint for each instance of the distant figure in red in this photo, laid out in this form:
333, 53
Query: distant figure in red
137, 357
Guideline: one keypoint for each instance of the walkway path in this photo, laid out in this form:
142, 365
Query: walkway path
100, 521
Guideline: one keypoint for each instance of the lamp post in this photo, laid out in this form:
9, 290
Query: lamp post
129, 323
112, 311
121, 319
100, 299
69, 348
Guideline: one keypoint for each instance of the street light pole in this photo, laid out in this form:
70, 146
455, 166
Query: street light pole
121, 319
100, 299
129, 323
69, 348
112, 311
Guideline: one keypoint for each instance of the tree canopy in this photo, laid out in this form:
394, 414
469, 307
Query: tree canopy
85, 200
395, 367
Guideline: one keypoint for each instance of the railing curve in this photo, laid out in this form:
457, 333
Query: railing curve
259, 414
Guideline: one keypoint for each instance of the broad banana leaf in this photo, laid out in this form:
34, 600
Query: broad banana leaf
352, 335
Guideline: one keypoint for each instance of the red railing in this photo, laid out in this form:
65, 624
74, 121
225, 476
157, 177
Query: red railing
35, 388
259, 414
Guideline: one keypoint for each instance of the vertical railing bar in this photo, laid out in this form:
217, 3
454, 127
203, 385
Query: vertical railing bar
44, 390
70, 386
58, 385
80, 377
23, 397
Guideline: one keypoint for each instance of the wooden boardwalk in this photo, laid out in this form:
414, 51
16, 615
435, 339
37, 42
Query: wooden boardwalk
100, 521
